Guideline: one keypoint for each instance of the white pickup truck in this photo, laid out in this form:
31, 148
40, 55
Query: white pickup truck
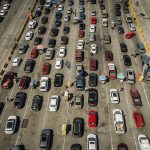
119, 123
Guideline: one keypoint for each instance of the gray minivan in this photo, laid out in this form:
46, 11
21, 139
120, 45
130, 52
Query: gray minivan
140, 47
49, 53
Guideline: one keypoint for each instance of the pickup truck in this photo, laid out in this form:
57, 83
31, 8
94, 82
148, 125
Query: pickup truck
7, 81
119, 123
112, 71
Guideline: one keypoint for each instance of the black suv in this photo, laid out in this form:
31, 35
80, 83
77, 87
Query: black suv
37, 103
54, 32
66, 30
20, 99
38, 13
46, 10
123, 47
57, 23
29, 65
127, 60
1, 106
64, 40
42, 2
52, 43
23, 48
58, 79
92, 97
44, 19
81, 26
38, 40
76, 147
41, 29
78, 127
92, 79
46, 139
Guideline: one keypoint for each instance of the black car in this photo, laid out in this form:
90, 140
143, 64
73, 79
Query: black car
46, 10
44, 19
81, 26
29, 65
70, 2
123, 47
40, 8
42, 2
1, 18
52, 43
38, 40
92, 97
57, 23
38, 13
8, 1
76, 147
81, 2
66, 29
37, 103
64, 40
58, 81
54, 32
118, 13
127, 60
117, 6
20, 99
46, 139
1, 106
102, 7
92, 79
78, 127
121, 30
41, 29
93, 1
23, 48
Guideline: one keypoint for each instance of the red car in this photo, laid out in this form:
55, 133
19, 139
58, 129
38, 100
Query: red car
93, 64
46, 68
122, 146
34, 53
24, 82
129, 35
81, 34
108, 55
93, 20
92, 121
138, 118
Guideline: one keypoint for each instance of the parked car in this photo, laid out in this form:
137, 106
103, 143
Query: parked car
54, 32
37, 103
24, 82
11, 125
92, 120
138, 119
114, 96
66, 29
127, 60
108, 55
78, 127
58, 81
136, 97
29, 65
34, 53
46, 10
66, 18
81, 26
93, 12
130, 76
81, 34
144, 142
122, 146
59, 63
41, 29
92, 97
54, 102
129, 35
57, 23
44, 84
92, 142
76, 147
80, 44
93, 79
79, 101
16, 61
38, 41
44, 19
93, 64
19, 100
93, 49
46, 69
121, 30
123, 47
62, 51
29, 36
52, 43
32, 24
46, 139
79, 69
132, 27
64, 40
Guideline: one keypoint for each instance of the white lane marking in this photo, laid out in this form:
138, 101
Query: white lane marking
124, 88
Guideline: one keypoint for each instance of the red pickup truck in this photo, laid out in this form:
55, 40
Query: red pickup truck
7, 81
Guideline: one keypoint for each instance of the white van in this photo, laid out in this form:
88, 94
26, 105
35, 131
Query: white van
104, 22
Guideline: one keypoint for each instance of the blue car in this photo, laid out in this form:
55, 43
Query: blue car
81, 16
58, 15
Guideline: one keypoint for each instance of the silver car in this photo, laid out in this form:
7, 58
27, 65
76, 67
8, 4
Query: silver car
92, 37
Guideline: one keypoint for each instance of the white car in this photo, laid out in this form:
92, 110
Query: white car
114, 96
79, 69
32, 24
69, 10
93, 12
53, 105
66, 18
81, 9
92, 28
29, 36
11, 125
59, 63
80, 44
132, 27
60, 8
92, 142
93, 48
44, 84
144, 142
62, 52
48, 3
6, 6
3, 12
16, 62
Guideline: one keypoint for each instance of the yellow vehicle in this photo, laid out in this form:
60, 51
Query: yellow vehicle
64, 129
